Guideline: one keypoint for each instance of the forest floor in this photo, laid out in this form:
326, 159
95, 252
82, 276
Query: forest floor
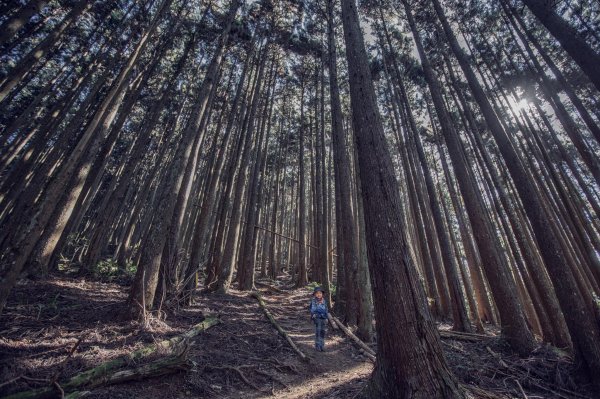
54, 329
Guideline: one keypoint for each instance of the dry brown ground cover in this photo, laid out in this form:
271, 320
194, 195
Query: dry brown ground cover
54, 329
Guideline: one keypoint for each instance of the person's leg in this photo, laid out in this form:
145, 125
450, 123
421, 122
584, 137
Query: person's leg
317, 334
322, 324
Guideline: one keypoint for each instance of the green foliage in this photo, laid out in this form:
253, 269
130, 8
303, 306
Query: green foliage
74, 248
109, 269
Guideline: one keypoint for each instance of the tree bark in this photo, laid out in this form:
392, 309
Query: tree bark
514, 326
400, 367
146, 280
345, 223
583, 326
577, 47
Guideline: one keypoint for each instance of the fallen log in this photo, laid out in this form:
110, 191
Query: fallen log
331, 322
164, 366
368, 352
99, 372
278, 327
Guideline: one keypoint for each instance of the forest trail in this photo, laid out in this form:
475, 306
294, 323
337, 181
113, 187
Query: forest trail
340, 363
242, 357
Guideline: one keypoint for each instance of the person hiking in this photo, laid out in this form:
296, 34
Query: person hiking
318, 313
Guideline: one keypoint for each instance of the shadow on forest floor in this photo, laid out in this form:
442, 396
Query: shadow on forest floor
243, 357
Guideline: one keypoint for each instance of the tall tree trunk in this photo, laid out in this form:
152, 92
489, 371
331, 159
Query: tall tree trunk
100, 233
201, 231
41, 50
302, 278
345, 223
519, 27
413, 367
248, 249
21, 242
239, 183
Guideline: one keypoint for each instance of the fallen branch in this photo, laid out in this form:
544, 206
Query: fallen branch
497, 357
270, 287
99, 372
368, 352
61, 366
239, 373
464, 336
278, 327
331, 322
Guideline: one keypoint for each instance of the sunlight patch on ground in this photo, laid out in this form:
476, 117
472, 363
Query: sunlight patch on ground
325, 382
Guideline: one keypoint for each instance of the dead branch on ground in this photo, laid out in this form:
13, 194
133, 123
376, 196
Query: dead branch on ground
278, 327
368, 352
105, 371
239, 373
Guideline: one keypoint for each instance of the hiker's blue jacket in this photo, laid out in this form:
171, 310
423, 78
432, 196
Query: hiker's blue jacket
318, 309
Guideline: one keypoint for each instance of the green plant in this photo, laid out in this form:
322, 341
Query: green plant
107, 268
130, 269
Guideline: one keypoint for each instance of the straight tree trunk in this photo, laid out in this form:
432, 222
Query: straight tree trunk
21, 242
199, 237
345, 223
519, 27
247, 264
230, 243
100, 233
302, 278
413, 367
25, 65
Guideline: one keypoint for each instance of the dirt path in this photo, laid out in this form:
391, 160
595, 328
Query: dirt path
331, 372
270, 366
243, 357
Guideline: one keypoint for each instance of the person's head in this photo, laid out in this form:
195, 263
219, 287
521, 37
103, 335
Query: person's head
318, 292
